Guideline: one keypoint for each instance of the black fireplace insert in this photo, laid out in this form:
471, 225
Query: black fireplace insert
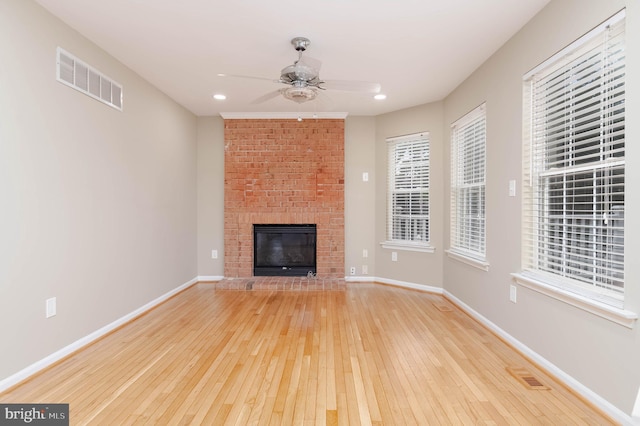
284, 250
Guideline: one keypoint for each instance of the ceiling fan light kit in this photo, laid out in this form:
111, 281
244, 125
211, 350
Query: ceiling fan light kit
299, 94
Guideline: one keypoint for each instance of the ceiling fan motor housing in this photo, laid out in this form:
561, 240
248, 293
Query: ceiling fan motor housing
298, 72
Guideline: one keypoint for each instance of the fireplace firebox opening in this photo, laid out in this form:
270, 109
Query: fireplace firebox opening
284, 250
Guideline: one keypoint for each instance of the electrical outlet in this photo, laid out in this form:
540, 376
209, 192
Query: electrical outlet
365, 269
513, 293
353, 270
365, 177
214, 254
394, 256
50, 307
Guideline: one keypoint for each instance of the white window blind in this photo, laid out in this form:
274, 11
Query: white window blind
468, 141
408, 189
574, 166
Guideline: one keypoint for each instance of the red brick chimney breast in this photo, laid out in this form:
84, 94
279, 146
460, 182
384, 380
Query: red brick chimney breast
283, 171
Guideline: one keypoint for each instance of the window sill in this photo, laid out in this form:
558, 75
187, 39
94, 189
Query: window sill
464, 258
619, 316
408, 245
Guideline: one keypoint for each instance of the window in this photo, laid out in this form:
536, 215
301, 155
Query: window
574, 167
408, 191
467, 204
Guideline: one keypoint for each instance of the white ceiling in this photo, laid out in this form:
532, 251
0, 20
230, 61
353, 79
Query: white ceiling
418, 50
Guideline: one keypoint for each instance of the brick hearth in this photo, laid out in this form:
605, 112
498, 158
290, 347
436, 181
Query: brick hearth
284, 171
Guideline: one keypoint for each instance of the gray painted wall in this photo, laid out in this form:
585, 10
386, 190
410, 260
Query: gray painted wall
210, 196
598, 353
98, 206
412, 267
360, 210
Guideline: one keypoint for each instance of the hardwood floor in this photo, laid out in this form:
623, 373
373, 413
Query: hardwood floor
349, 354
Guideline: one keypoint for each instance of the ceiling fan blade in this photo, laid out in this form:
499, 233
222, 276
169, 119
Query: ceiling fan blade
351, 86
267, 97
249, 77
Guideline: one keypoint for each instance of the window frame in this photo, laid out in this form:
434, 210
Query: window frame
418, 187
597, 298
467, 234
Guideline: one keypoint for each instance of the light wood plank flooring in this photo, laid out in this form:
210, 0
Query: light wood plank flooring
353, 354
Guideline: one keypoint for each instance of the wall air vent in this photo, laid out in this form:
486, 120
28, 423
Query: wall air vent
80, 76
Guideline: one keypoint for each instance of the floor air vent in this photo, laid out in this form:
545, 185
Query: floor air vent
442, 307
76, 74
526, 378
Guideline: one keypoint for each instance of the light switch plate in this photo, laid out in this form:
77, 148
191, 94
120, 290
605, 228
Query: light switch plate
51, 307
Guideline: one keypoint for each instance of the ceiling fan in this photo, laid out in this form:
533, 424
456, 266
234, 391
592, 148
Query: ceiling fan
303, 79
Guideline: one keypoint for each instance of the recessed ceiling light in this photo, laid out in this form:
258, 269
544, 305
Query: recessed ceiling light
380, 96
219, 97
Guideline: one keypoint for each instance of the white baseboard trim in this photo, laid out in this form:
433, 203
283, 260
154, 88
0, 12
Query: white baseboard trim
80, 343
636, 409
210, 278
612, 411
358, 279
404, 284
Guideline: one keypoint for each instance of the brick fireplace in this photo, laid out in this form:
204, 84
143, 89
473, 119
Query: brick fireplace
283, 171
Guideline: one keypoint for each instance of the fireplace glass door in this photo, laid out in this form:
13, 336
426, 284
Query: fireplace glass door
284, 250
